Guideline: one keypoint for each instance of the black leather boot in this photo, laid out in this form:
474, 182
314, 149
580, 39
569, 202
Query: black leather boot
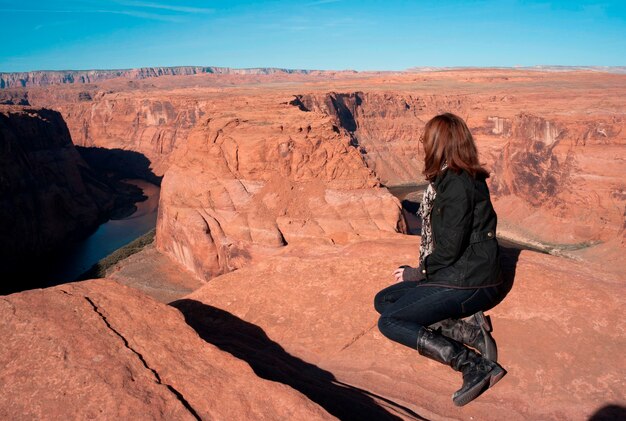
475, 333
479, 373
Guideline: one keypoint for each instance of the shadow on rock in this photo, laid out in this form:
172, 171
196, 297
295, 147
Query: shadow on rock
270, 361
609, 413
120, 163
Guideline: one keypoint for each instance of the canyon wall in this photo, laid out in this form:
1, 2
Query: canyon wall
130, 120
556, 175
49, 197
386, 126
561, 180
285, 186
555, 178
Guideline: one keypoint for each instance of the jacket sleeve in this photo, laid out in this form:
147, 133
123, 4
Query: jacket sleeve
413, 274
453, 219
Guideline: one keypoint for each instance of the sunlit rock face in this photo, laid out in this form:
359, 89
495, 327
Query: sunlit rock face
47, 78
317, 302
257, 175
100, 350
555, 175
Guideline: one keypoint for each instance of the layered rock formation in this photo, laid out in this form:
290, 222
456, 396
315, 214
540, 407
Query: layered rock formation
556, 175
151, 126
247, 183
561, 182
99, 350
282, 181
386, 126
51, 77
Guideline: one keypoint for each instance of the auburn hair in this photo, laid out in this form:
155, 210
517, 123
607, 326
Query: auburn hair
447, 140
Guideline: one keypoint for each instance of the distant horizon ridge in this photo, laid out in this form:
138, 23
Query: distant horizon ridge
88, 76
289, 69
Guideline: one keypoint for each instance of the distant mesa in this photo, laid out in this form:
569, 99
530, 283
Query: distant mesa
58, 77
61, 77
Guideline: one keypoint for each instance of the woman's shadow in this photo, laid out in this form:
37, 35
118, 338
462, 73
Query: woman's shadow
270, 361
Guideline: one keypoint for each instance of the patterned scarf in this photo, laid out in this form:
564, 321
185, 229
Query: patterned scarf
425, 211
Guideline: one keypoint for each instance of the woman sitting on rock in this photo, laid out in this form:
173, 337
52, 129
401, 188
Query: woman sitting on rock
459, 271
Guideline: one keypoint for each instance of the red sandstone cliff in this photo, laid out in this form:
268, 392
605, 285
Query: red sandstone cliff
290, 199
259, 174
556, 175
556, 156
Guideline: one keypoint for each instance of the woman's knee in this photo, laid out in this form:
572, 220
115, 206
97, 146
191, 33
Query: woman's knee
393, 329
379, 302
384, 326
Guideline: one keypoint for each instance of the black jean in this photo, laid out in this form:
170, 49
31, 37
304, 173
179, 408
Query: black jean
407, 307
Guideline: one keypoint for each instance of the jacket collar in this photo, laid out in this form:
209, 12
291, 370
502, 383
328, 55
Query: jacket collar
440, 177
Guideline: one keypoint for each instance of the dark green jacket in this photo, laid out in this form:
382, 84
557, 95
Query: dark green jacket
465, 250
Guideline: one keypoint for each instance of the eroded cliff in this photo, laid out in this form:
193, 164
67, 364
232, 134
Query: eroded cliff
284, 186
555, 176
247, 182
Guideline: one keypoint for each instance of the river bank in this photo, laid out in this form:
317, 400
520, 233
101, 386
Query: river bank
69, 264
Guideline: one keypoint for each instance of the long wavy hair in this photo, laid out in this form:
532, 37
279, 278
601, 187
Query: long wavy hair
447, 139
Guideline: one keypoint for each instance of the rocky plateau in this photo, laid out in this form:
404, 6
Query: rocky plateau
274, 211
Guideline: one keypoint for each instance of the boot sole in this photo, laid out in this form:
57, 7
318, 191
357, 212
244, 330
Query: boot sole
472, 393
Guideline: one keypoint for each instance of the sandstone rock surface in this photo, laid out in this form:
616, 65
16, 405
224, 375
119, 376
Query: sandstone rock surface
274, 183
559, 335
99, 350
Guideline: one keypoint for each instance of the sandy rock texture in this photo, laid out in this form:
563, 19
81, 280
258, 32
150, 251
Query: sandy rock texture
559, 336
273, 192
99, 350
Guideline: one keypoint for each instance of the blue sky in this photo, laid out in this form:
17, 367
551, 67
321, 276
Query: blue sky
314, 34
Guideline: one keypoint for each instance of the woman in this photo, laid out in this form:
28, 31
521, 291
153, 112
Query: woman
459, 270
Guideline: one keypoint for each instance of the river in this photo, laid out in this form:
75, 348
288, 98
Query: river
107, 238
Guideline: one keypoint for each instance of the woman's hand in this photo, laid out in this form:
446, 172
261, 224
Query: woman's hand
397, 274
408, 273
